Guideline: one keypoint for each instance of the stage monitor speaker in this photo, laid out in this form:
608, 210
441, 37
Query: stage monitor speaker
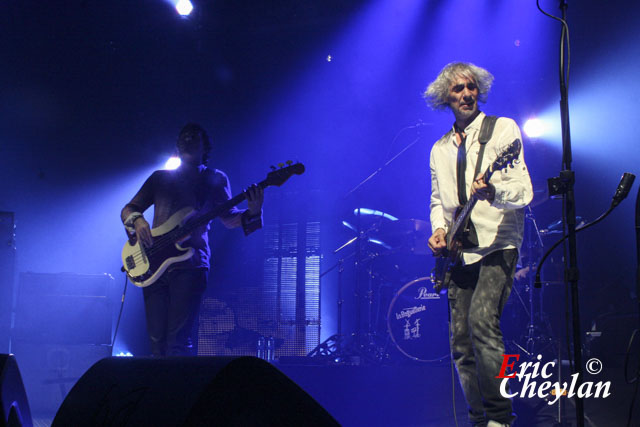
188, 391
13, 399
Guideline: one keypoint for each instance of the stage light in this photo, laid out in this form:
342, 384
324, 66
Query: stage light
534, 128
184, 7
123, 354
172, 163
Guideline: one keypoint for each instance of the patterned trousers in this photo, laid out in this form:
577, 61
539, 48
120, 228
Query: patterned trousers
477, 295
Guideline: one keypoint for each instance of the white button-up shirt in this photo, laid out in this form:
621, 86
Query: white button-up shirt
499, 225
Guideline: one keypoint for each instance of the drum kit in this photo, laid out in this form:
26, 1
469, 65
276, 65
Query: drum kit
398, 316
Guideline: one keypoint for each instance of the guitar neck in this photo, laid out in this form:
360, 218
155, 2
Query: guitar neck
464, 213
217, 211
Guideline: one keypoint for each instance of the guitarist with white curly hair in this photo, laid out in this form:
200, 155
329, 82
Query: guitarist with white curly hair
477, 220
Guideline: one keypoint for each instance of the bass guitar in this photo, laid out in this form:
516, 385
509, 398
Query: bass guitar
144, 265
451, 255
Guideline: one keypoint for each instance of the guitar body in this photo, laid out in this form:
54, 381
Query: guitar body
145, 265
459, 228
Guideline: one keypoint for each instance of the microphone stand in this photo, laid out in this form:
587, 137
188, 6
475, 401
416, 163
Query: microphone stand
572, 274
564, 185
388, 162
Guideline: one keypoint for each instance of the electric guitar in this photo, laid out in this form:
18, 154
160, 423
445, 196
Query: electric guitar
451, 255
145, 265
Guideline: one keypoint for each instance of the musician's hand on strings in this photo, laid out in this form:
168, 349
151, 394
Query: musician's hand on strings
143, 231
255, 197
483, 190
438, 241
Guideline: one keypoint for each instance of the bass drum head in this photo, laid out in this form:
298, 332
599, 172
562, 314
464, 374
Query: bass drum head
417, 321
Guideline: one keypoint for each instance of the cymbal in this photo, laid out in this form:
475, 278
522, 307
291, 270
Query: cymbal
556, 226
406, 235
365, 212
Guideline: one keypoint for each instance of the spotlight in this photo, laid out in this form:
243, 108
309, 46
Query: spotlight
184, 7
172, 163
534, 128
123, 354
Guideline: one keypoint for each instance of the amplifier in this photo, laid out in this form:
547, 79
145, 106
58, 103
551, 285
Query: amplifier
63, 308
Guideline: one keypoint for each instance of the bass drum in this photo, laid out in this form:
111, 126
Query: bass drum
417, 321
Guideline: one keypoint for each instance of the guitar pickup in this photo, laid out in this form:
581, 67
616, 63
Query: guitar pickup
131, 264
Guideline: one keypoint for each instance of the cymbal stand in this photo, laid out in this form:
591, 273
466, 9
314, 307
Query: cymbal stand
334, 347
535, 340
334, 343
340, 299
358, 282
372, 349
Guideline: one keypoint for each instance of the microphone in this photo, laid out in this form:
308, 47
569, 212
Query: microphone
626, 182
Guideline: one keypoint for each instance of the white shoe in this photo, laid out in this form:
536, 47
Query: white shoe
492, 423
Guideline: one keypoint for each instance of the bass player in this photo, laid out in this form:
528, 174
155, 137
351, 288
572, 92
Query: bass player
172, 302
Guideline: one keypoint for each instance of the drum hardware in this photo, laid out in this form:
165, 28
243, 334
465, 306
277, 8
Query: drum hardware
537, 338
362, 213
407, 235
366, 248
382, 250
556, 227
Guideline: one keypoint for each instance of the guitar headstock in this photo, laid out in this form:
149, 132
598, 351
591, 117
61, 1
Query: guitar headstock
282, 173
507, 156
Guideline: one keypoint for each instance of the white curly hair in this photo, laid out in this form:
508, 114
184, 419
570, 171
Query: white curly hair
438, 90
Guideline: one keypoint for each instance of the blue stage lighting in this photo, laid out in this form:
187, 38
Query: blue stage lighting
172, 163
534, 128
184, 7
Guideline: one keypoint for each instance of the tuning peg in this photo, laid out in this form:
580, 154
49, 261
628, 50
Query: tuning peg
273, 167
289, 162
281, 165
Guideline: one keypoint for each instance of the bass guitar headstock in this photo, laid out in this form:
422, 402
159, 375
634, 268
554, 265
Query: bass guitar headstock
279, 175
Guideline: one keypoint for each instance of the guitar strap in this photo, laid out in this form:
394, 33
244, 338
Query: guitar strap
469, 235
486, 131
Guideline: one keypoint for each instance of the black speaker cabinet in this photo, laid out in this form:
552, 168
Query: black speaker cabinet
188, 391
14, 405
